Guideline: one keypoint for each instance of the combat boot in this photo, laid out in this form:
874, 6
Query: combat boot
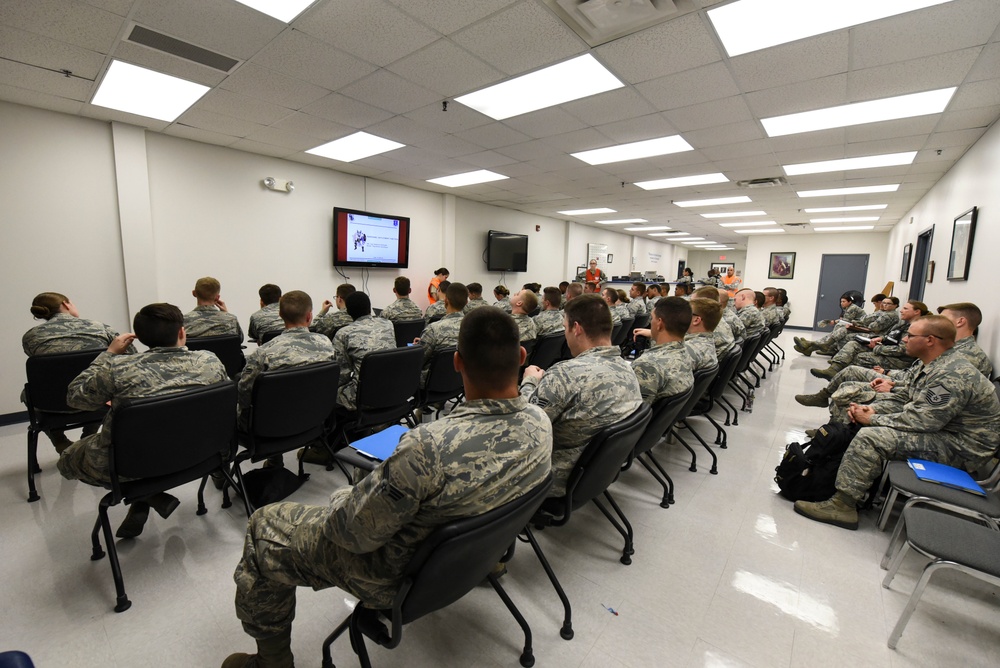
134, 521
803, 346
828, 372
820, 400
274, 652
315, 454
840, 510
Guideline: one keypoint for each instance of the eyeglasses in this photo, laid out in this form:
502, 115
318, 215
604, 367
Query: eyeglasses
929, 336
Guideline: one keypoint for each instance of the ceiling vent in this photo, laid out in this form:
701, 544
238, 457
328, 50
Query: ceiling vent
600, 21
763, 183
181, 49
794, 224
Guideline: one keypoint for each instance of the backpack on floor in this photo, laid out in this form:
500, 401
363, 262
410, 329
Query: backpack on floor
808, 471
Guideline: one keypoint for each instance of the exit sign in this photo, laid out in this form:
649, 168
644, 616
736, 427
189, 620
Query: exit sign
722, 257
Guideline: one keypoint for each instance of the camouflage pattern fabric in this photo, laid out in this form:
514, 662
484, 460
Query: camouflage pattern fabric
525, 326
548, 322
435, 310
64, 333
853, 313
663, 371
723, 338
402, 309
475, 303
735, 323
115, 377
786, 313
752, 320
701, 348
504, 304
636, 307
437, 336
880, 322
970, 350
296, 346
582, 396
265, 320
482, 455
210, 320
331, 323
619, 312
771, 315
651, 303
351, 344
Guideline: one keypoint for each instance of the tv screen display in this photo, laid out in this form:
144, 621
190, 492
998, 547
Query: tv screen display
506, 251
365, 239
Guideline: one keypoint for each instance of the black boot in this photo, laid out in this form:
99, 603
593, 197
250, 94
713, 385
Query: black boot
133, 523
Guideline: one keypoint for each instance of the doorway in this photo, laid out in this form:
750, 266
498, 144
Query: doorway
838, 274
921, 254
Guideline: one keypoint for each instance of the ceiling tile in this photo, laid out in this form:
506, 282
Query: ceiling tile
81, 25
303, 57
739, 150
262, 148
203, 119
725, 134
968, 118
667, 48
270, 86
808, 140
803, 96
199, 135
487, 159
346, 111
902, 127
447, 16
696, 85
34, 98
802, 60
911, 76
637, 129
292, 139
119, 7
493, 135
326, 163
388, 91
44, 81
544, 123
530, 150
578, 140
455, 119
976, 94
242, 107
955, 138
614, 105
708, 114
34, 49
322, 129
230, 28
988, 64
446, 69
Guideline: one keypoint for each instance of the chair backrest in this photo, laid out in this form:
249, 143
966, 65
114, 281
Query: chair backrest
749, 348
548, 350
616, 333
434, 318
267, 336
459, 554
163, 435
664, 414
622, 332
388, 378
702, 379
727, 368
628, 326
602, 459
407, 330
641, 321
49, 377
442, 379
287, 402
529, 349
227, 348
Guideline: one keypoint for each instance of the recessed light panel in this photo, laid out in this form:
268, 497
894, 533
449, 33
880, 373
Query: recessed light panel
468, 178
845, 164
751, 25
570, 80
620, 221
669, 234
681, 181
733, 214
355, 147
834, 209
752, 223
846, 219
718, 201
849, 228
586, 212
693, 240
283, 10
763, 231
143, 92
647, 229
717, 248
640, 149
886, 109
857, 190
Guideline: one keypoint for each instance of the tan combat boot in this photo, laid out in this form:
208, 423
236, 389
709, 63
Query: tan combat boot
820, 400
274, 652
840, 510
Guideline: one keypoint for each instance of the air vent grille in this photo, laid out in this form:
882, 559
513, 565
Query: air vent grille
771, 182
176, 47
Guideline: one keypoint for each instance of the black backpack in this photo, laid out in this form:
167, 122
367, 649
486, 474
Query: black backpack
808, 471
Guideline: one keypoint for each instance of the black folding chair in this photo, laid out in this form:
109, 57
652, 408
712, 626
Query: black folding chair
407, 330
443, 382
713, 395
629, 344
228, 349
267, 336
664, 414
702, 379
622, 331
548, 350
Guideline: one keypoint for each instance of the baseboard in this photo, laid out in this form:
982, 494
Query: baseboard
13, 418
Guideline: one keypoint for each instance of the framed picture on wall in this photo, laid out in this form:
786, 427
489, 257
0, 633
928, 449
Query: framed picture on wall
782, 266
962, 234
723, 267
904, 274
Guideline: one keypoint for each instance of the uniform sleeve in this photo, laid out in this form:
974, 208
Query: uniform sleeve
647, 381
551, 393
27, 342
930, 408
340, 352
252, 331
94, 387
255, 364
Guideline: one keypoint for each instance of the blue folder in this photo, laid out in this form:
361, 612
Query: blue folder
942, 474
379, 446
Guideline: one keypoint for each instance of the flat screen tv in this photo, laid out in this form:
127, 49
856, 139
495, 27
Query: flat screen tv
365, 239
506, 251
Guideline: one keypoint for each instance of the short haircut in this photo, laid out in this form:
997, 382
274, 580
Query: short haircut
345, 290
895, 300
457, 295
919, 305
534, 287
46, 304
966, 310
592, 286
294, 305
269, 293
707, 292
530, 300
675, 314
639, 285
475, 289
593, 314
771, 292
563, 285
158, 325
759, 298
501, 290
611, 294
683, 287
709, 311
490, 347
443, 287
653, 288
783, 296
358, 305
574, 290
723, 298
878, 298
552, 296
401, 285
442, 270
939, 326
206, 288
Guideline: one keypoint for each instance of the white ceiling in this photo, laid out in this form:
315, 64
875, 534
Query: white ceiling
386, 66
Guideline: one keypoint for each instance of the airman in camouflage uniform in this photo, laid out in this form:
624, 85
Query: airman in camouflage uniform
435, 310
438, 336
851, 313
749, 314
637, 300
475, 303
663, 371
208, 320
332, 315
366, 334
503, 304
723, 338
265, 320
771, 315
548, 322
889, 351
526, 326
403, 308
733, 320
701, 348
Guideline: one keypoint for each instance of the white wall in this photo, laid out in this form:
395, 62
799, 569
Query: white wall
701, 261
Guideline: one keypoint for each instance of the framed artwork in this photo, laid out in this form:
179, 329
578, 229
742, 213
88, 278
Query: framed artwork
723, 267
904, 274
930, 271
782, 266
962, 234
611, 257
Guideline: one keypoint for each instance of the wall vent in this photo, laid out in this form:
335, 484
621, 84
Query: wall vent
181, 49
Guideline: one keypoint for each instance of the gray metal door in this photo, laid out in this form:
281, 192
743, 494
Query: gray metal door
837, 275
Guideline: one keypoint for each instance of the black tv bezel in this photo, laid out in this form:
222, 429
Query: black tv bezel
404, 263
489, 248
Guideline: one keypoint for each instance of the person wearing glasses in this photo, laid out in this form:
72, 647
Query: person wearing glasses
948, 413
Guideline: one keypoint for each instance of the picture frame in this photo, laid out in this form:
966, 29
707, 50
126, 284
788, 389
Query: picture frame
611, 257
782, 266
930, 271
904, 274
963, 233
723, 267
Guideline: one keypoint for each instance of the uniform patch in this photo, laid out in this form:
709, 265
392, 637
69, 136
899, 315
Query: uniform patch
937, 395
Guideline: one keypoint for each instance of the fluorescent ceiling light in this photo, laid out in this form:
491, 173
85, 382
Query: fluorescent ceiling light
570, 80
468, 178
886, 109
751, 25
640, 149
764, 231
845, 164
143, 92
833, 209
701, 244
586, 212
858, 190
849, 228
647, 229
714, 202
846, 219
283, 10
619, 221
355, 147
693, 240
733, 214
717, 248
681, 181
669, 234
751, 223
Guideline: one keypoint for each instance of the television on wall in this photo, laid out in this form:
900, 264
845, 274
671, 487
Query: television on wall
506, 251
365, 239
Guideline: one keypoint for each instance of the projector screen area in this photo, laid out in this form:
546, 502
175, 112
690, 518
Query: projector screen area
365, 239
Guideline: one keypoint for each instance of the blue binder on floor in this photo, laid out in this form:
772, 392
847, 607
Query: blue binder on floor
942, 474
379, 446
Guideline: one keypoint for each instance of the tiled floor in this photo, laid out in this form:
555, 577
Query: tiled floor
728, 576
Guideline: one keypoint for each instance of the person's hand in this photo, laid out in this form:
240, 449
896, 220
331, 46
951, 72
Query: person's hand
221, 304
416, 340
878, 369
861, 414
121, 343
642, 331
883, 385
534, 372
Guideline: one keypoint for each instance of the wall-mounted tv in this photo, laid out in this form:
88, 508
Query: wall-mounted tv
506, 251
365, 239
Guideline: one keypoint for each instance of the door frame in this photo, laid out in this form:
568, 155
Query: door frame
819, 284
918, 275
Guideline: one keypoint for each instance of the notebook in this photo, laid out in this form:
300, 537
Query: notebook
949, 476
379, 446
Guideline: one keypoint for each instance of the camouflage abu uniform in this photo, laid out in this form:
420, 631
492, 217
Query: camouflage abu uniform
857, 353
482, 455
64, 333
435, 310
735, 324
352, 343
504, 304
265, 320
752, 319
663, 371
330, 323
723, 338
619, 312
636, 307
582, 396
115, 377
701, 348
402, 309
771, 315
297, 346
474, 304
951, 415
548, 322
880, 322
835, 339
525, 326
208, 320
437, 336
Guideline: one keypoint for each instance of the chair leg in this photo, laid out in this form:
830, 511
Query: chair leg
665, 503
239, 486
721, 439
887, 504
911, 605
358, 641
527, 659
775, 344
656, 463
566, 632
715, 460
33, 467
95, 540
736, 413
121, 600
337, 632
897, 535
897, 560
625, 531
717, 402
694, 457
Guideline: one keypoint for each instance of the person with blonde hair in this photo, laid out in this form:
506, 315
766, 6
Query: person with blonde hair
211, 316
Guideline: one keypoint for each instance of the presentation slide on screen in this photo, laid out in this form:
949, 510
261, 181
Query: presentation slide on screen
371, 239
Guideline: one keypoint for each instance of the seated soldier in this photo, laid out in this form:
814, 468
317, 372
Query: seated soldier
851, 313
948, 414
403, 308
444, 332
881, 320
699, 340
550, 320
475, 297
210, 317
618, 310
563, 286
722, 335
573, 291
522, 305
363, 540
729, 314
746, 308
436, 309
770, 310
587, 393
637, 299
665, 369
267, 318
502, 296
591, 288
165, 368
330, 319
682, 290
786, 310
366, 334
